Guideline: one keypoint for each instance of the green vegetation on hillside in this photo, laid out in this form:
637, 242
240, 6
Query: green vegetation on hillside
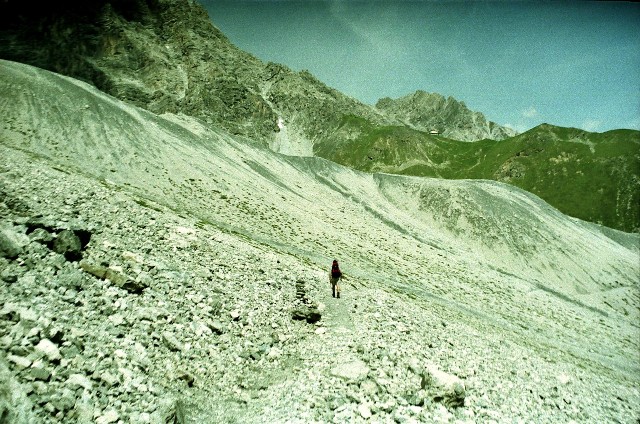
591, 176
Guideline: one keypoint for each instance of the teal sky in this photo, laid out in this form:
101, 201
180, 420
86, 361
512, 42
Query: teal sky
573, 64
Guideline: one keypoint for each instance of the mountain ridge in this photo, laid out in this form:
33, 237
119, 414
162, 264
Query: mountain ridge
167, 57
447, 116
145, 54
592, 176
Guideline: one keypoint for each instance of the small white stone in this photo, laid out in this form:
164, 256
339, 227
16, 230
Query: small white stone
111, 416
116, 319
20, 361
364, 411
116, 268
131, 257
274, 352
353, 371
28, 315
48, 349
33, 332
200, 328
321, 330
108, 244
79, 380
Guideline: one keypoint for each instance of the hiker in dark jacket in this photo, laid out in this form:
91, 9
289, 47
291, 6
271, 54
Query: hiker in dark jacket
334, 277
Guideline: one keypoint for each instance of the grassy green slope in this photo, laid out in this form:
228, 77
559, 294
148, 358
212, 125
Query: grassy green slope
591, 176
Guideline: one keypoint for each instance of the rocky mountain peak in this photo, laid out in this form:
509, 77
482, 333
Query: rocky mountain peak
166, 56
451, 118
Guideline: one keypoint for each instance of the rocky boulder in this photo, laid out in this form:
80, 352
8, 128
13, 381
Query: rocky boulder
442, 387
67, 243
305, 313
117, 278
10, 245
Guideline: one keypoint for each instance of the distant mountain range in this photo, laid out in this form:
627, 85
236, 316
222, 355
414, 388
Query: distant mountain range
167, 57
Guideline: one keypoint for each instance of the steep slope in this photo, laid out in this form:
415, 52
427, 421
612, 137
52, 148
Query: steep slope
482, 279
166, 56
591, 176
433, 112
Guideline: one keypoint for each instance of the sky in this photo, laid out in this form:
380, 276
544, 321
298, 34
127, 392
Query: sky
520, 63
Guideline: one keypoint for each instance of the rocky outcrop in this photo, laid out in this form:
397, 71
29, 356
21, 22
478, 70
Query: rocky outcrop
167, 57
445, 116
10, 246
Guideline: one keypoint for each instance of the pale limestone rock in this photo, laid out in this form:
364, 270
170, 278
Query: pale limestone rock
111, 416
47, 348
364, 411
443, 387
79, 380
20, 361
352, 371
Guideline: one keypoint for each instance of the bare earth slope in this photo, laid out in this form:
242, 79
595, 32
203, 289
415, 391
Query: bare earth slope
536, 312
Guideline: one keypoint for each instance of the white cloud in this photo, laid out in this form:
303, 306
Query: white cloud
591, 125
519, 127
531, 112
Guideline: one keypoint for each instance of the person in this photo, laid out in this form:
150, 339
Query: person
334, 277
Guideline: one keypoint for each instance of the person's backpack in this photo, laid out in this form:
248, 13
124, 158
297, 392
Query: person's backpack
335, 271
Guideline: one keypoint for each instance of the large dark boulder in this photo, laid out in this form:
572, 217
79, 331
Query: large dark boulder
303, 313
67, 243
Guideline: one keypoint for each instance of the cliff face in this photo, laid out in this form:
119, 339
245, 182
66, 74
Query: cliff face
167, 57
164, 56
451, 118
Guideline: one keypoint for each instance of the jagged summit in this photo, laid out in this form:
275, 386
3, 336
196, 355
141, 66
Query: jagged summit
167, 57
443, 115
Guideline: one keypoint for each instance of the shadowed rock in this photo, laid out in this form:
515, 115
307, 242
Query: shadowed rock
67, 243
311, 315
